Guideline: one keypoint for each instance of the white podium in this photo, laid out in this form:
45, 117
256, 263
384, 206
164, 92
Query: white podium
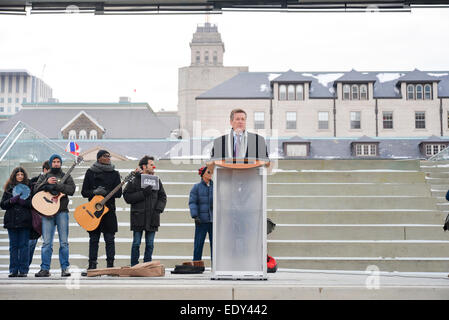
240, 221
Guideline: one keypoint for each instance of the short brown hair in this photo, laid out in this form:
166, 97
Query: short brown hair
237, 111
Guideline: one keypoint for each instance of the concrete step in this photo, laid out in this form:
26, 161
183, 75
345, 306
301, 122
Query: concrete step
299, 231
310, 202
358, 248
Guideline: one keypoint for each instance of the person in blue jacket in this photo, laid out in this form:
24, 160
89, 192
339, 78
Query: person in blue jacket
201, 209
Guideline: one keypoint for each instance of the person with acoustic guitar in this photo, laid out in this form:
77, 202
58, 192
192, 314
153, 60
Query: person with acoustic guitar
100, 179
51, 182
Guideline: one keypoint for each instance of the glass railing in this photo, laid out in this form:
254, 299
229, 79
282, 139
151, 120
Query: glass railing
440, 156
25, 144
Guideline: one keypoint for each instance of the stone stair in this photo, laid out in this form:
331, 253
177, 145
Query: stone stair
330, 215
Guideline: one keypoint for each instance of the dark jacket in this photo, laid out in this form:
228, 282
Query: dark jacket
145, 210
256, 147
68, 188
108, 180
17, 215
201, 201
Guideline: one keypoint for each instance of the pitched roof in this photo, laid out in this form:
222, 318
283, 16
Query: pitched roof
258, 85
120, 123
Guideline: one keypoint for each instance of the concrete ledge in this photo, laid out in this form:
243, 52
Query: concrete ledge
283, 285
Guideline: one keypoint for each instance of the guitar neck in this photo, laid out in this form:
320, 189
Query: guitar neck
64, 178
110, 194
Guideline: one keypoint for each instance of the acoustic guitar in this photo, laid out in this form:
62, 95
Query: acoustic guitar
89, 215
48, 204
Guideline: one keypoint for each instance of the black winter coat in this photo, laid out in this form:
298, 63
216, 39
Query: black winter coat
145, 211
16, 215
108, 180
68, 187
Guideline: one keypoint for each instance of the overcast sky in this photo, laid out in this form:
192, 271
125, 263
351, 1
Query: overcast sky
87, 58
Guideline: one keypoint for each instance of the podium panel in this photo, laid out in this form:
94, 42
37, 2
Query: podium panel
239, 225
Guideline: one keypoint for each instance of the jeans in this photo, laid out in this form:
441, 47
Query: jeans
49, 224
94, 239
201, 231
18, 250
149, 246
32, 244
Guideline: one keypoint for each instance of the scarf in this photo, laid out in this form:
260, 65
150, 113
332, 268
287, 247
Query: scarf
99, 167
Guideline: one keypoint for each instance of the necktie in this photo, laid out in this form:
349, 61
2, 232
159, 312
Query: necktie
237, 146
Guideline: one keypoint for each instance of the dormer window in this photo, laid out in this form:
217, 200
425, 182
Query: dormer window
419, 91
291, 92
355, 92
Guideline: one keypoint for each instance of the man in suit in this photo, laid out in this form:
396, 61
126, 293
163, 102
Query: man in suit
239, 143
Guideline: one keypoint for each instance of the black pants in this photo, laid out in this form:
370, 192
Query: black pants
94, 239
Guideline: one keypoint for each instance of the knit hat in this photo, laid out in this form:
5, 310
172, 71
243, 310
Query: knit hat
101, 152
202, 170
54, 157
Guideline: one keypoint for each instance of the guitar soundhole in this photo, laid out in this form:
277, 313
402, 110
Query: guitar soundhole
98, 206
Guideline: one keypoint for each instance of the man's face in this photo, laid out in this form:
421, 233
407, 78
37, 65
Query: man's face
149, 168
238, 124
105, 159
56, 163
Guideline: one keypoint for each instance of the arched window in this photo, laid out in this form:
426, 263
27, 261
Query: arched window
282, 92
197, 57
419, 94
410, 92
363, 92
93, 135
427, 92
291, 92
82, 135
72, 135
346, 92
355, 92
299, 92
206, 57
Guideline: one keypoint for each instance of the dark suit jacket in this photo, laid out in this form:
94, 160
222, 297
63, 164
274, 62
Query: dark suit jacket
256, 147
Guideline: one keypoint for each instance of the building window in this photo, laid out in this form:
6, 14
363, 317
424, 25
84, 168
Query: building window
24, 100
387, 118
291, 92
25, 82
323, 120
346, 92
363, 92
433, 149
2, 87
419, 94
420, 120
355, 120
198, 57
427, 92
215, 57
299, 92
282, 92
93, 135
17, 84
82, 135
10, 84
365, 150
72, 135
9, 100
291, 120
296, 149
419, 91
206, 57
259, 120
355, 92
2, 109
410, 92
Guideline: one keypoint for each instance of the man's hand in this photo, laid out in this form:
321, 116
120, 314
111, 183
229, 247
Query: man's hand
52, 180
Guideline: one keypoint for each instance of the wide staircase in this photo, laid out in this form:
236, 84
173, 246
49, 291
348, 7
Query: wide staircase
330, 215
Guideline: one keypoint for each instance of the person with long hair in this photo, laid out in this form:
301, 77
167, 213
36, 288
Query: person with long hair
18, 221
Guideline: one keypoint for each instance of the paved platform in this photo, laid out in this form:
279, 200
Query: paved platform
286, 284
